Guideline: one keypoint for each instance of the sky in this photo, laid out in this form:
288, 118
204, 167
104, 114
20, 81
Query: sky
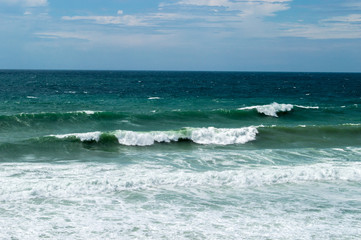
204, 35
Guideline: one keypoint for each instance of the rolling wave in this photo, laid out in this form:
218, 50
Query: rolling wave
246, 138
274, 108
245, 113
260, 136
210, 135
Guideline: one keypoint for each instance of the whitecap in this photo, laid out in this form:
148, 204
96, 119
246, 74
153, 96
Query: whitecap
89, 136
131, 138
270, 109
205, 136
89, 112
351, 124
307, 107
223, 136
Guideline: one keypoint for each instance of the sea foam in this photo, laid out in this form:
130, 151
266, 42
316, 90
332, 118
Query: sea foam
210, 135
84, 137
270, 109
274, 108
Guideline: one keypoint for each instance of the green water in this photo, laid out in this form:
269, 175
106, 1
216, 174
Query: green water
179, 155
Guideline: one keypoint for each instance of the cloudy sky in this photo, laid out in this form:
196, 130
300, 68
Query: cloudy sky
220, 35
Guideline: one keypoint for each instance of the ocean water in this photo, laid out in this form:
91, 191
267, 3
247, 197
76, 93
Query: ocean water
179, 155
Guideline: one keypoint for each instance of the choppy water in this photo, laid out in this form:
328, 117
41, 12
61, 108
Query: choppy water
180, 155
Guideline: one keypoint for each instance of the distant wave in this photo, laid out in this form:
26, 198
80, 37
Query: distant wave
249, 113
29, 119
89, 112
307, 107
210, 135
351, 124
274, 108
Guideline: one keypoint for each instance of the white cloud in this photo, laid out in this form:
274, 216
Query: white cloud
57, 35
340, 27
261, 9
355, 5
191, 13
95, 38
128, 20
152, 19
258, 8
244, 19
241, 18
26, 3
210, 3
352, 18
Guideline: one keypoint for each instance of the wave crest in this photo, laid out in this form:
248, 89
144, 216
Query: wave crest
270, 109
84, 137
274, 108
210, 135
224, 136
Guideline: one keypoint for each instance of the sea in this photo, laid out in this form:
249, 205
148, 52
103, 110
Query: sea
179, 155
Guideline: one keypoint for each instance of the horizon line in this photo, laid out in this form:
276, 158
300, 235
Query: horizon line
152, 70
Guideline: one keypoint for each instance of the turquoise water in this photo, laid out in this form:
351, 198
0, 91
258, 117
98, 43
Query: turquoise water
180, 155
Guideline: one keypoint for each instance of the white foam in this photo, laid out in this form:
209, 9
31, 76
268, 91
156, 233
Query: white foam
339, 149
89, 136
108, 179
153, 98
270, 109
273, 108
210, 135
223, 136
351, 124
307, 107
149, 199
31, 97
89, 112
130, 138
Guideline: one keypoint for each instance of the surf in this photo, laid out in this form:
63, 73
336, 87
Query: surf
250, 137
204, 136
274, 108
249, 113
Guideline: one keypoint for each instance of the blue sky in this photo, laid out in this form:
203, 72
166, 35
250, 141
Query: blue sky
219, 35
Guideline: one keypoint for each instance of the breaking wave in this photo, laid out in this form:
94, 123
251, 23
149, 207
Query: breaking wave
274, 108
210, 135
267, 136
82, 116
270, 109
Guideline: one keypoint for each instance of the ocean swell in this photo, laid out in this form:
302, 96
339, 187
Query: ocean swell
205, 136
274, 108
270, 109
